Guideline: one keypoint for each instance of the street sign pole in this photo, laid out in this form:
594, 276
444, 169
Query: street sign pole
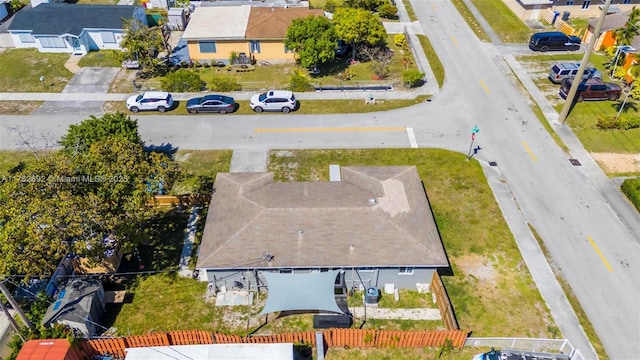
474, 131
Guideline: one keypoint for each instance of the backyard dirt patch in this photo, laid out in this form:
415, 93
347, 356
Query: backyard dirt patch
478, 267
123, 82
618, 163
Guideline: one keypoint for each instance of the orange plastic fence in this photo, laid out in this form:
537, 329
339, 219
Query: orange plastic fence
356, 338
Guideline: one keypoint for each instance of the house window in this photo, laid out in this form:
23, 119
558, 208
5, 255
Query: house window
207, 47
254, 45
108, 37
585, 4
51, 42
405, 271
26, 38
287, 50
367, 269
626, 2
569, 2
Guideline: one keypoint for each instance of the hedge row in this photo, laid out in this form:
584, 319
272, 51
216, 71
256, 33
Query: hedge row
631, 188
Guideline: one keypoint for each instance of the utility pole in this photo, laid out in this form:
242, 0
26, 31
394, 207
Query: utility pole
15, 306
562, 118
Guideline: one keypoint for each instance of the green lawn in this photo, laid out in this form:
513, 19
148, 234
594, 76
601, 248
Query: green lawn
199, 169
102, 58
503, 21
21, 70
466, 14
492, 291
13, 160
583, 118
432, 57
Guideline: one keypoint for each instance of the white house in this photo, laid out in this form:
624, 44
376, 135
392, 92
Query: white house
72, 28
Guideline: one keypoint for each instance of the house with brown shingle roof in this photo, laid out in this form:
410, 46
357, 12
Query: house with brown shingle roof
213, 33
375, 225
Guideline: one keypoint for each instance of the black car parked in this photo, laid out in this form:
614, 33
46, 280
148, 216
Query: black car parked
553, 40
211, 103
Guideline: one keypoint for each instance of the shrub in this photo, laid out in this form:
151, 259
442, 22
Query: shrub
224, 84
182, 80
330, 6
622, 123
610, 51
635, 90
299, 82
387, 11
232, 57
631, 188
412, 77
400, 40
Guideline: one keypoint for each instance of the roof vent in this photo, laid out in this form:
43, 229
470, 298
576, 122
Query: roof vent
372, 201
352, 247
300, 232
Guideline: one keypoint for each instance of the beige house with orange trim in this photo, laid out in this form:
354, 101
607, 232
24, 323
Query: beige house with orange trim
215, 32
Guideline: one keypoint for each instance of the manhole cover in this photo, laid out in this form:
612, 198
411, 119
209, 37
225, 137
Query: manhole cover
493, 163
575, 162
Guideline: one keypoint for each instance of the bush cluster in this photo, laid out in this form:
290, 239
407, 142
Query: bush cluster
631, 188
182, 80
224, 84
622, 123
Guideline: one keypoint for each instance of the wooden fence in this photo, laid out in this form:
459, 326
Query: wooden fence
180, 200
560, 24
355, 338
444, 304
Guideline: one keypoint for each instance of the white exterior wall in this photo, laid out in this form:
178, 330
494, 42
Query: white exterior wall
37, 45
92, 39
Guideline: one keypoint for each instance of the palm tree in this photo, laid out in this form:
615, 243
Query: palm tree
626, 34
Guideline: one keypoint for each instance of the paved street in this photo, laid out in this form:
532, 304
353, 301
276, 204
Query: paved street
575, 209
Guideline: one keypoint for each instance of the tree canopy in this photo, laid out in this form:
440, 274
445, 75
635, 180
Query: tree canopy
68, 203
142, 43
358, 26
80, 137
631, 29
313, 39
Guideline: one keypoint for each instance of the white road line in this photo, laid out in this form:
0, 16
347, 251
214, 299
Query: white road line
412, 138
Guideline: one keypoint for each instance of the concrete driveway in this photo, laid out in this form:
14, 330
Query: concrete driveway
86, 80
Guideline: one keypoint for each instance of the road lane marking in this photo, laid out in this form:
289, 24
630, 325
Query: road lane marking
412, 138
606, 263
327, 129
484, 86
453, 39
526, 147
433, 5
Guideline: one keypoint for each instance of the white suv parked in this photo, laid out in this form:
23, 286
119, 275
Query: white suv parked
151, 100
273, 100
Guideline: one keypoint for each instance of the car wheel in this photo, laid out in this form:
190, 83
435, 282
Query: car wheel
286, 110
574, 48
614, 97
257, 109
580, 98
223, 111
134, 109
193, 111
544, 49
161, 109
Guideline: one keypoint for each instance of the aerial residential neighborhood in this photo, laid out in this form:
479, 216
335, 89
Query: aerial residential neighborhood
339, 179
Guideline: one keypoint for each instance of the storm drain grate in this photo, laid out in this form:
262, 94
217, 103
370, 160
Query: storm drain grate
575, 162
493, 163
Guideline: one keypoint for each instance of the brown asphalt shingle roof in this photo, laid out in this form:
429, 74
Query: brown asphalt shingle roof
250, 215
272, 23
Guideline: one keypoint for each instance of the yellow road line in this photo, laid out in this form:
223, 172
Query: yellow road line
327, 129
484, 86
526, 147
606, 263
433, 5
453, 39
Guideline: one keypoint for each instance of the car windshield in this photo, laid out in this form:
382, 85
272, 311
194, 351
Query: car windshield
262, 97
293, 97
138, 98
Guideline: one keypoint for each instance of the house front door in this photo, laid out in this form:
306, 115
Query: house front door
75, 43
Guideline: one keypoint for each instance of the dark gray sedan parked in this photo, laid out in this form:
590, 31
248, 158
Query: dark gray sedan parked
212, 103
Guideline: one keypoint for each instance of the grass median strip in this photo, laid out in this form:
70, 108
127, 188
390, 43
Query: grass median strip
434, 61
466, 14
328, 129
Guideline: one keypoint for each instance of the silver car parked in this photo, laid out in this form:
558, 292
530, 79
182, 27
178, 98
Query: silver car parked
563, 71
